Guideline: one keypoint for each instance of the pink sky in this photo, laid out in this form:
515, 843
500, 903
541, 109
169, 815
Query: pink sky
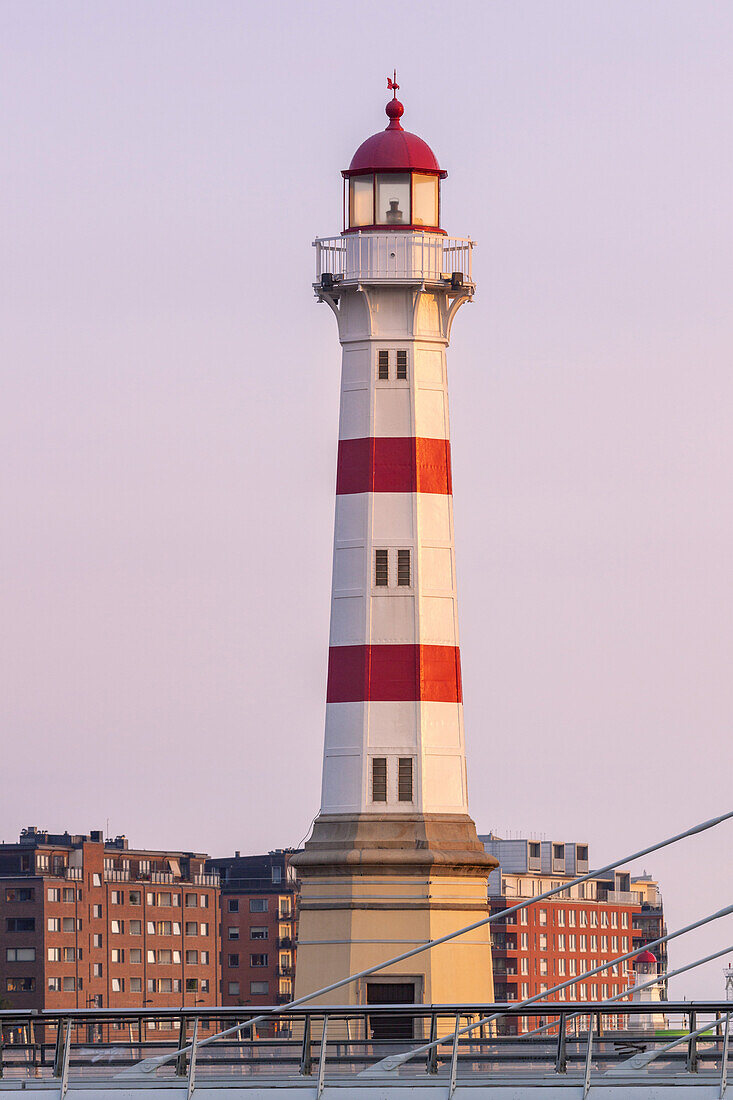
169, 410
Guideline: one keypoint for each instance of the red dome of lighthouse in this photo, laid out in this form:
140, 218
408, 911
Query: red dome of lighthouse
645, 957
394, 149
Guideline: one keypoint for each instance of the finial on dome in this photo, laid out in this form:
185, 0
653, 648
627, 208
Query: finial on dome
394, 108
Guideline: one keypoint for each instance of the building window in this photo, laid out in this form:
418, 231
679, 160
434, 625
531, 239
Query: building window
54, 894
54, 924
233, 933
118, 897
21, 985
21, 924
192, 985
96, 879
97, 912
136, 955
404, 785
404, 579
20, 954
135, 897
232, 960
383, 367
258, 932
97, 970
118, 985
19, 893
561, 918
192, 958
258, 905
150, 955
233, 905
259, 988
117, 927
136, 985
70, 954
204, 958
192, 928
54, 985
379, 779
136, 928
381, 568
259, 960
233, 989
401, 365
191, 901
165, 956
69, 984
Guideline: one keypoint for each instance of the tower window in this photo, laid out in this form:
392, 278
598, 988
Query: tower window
379, 779
383, 366
402, 365
404, 779
381, 568
403, 568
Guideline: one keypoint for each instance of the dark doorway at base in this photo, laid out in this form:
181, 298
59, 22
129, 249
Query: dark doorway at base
391, 993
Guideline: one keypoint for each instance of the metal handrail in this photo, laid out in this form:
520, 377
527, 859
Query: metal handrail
382, 256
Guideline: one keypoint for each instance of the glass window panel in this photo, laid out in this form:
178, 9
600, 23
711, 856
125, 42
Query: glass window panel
361, 200
424, 199
393, 199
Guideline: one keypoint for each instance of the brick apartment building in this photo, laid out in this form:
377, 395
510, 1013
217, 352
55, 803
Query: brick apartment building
574, 931
87, 922
258, 928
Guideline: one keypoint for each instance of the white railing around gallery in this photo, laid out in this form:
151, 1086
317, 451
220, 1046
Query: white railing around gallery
408, 256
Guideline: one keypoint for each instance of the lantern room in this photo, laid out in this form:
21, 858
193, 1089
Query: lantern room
393, 181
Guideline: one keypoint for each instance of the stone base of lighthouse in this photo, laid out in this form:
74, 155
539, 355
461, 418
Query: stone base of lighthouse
373, 887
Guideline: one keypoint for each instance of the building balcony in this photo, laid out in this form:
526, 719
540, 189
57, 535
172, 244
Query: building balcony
206, 879
408, 256
286, 971
113, 875
619, 897
161, 876
285, 942
73, 873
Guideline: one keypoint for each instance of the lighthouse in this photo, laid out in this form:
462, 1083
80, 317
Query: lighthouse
394, 859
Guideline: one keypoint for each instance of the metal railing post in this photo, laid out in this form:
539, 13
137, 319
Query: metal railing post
724, 1062
692, 1046
588, 1057
322, 1059
192, 1062
432, 1063
306, 1059
182, 1060
66, 1059
454, 1058
58, 1053
561, 1061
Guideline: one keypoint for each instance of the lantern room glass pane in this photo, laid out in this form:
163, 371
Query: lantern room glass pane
393, 199
361, 200
424, 199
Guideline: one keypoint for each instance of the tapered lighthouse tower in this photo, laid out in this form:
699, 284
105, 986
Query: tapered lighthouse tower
394, 858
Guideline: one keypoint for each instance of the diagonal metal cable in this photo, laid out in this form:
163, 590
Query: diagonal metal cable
149, 1065
395, 1060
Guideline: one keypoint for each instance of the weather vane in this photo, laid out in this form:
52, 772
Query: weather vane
392, 84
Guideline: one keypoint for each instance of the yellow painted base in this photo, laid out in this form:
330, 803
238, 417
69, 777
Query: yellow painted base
348, 923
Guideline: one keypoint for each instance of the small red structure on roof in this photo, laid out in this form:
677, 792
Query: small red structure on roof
645, 957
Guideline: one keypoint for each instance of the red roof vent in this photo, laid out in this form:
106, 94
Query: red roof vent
394, 149
645, 957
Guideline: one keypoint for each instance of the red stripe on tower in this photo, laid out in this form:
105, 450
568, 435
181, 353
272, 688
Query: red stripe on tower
388, 465
394, 673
